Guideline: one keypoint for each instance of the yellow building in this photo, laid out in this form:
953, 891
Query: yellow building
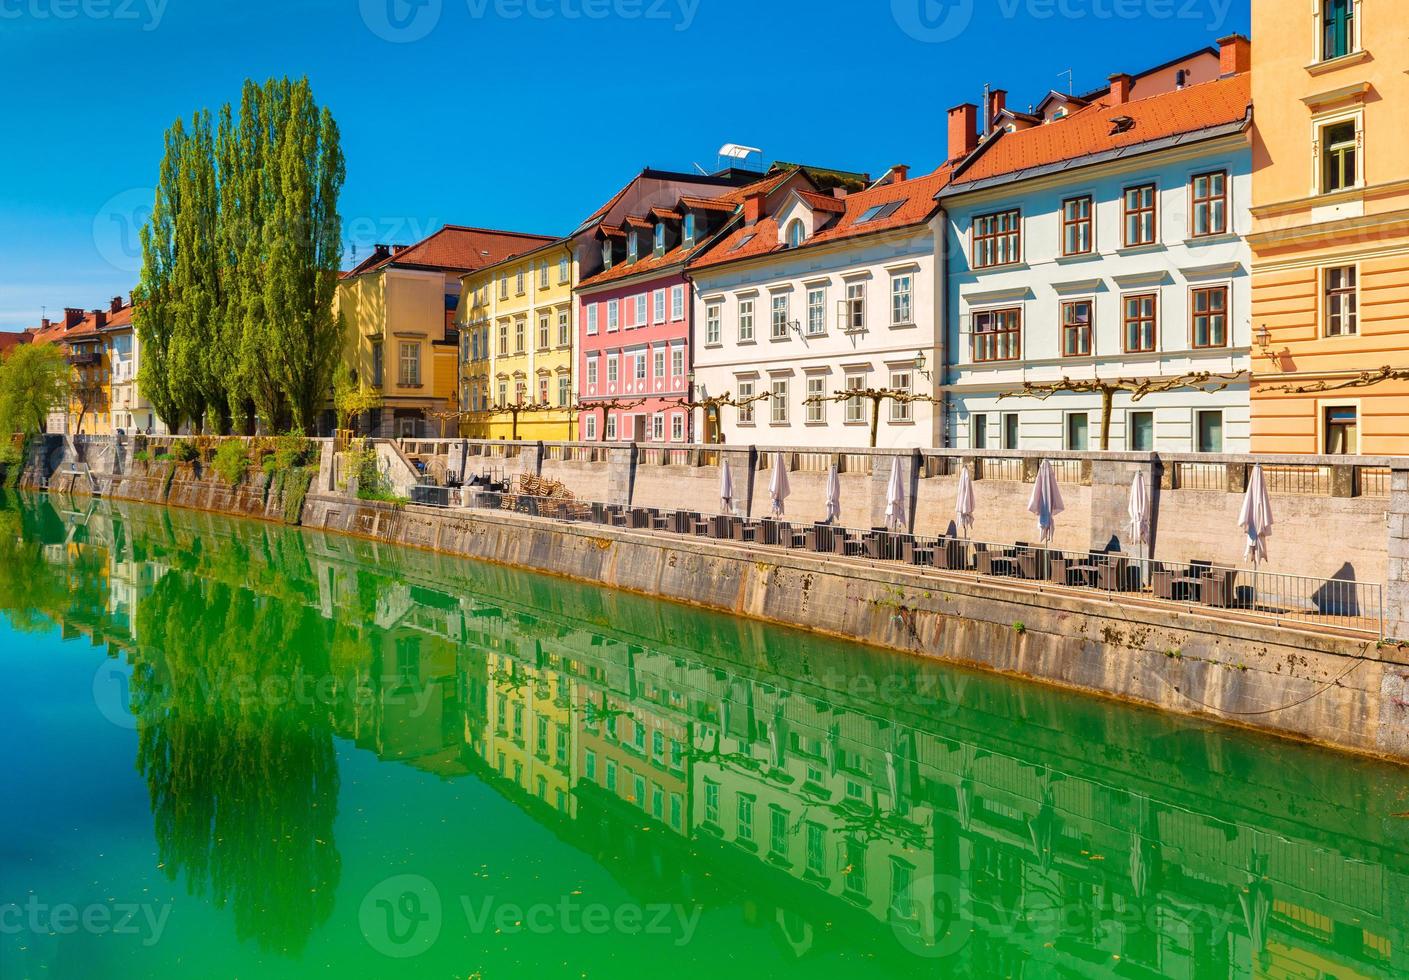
1331, 226
398, 306
518, 331
80, 334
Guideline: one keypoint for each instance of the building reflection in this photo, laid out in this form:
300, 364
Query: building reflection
941, 823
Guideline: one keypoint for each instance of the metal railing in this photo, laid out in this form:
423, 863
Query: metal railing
1280, 597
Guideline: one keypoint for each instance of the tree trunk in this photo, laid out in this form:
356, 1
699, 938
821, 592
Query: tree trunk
1107, 410
875, 420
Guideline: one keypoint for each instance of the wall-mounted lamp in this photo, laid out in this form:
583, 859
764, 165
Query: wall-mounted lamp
1263, 337
920, 366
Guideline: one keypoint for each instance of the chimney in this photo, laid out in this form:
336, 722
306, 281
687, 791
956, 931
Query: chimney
997, 102
753, 208
45, 323
116, 306
72, 317
1235, 55
100, 319
963, 130
839, 193
899, 172
1120, 89
398, 249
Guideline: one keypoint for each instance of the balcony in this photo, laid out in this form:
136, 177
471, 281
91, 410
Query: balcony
84, 358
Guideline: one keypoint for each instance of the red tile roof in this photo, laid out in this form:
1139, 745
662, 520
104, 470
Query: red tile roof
823, 202
917, 205
706, 204
9, 341
732, 201
457, 248
1091, 130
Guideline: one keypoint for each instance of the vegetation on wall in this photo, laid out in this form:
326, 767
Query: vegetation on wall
232, 461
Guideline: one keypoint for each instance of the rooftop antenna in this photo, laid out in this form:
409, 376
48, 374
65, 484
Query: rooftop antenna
738, 155
987, 123
1071, 81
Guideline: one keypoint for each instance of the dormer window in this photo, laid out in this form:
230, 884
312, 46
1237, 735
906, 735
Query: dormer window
607, 254
797, 233
689, 229
633, 247
660, 239
1059, 114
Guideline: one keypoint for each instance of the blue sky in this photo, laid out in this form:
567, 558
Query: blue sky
521, 114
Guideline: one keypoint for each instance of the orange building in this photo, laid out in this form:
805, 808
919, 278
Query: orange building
1330, 226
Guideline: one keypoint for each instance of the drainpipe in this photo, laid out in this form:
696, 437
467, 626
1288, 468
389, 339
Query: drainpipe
940, 225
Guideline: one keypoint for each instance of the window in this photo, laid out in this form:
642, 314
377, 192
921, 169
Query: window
592, 371
378, 364
592, 320
564, 391
520, 335
613, 315
816, 408
641, 366
902, 903
504, 338
713, 317
853, 308
689, 229
978, 431
778, 831
1209, 426
504, 286
611, 775
1339, 156
1140, 323
564, 329
1209, 193
639, 311
610, 433
797, 233
997, 239
677, 810
779, 401
854, 873
410, 374
816, 312
677, 303
1010, 431
1210, 317
1078, 432
611, 369
1338, 28
677, 362
1077, 237
659, 361
1076, 328
855, 405
606, 253
677, 427
563, 269
545, 334
1342, 301
780, 317
658, 432
660, 239
901, 300
589, 431
543, 276
1342, 431
503, 393
1141, 437
518, 282
543, 390
879, 211
816, 850
901, 411
745, 817
745, 320
1140, 216
997, 335
746, 390
633, 246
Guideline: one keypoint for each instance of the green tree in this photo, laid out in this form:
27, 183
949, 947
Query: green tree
34, 380
351, 398
155, 307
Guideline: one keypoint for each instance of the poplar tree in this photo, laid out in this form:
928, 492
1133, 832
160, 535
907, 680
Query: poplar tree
155, 307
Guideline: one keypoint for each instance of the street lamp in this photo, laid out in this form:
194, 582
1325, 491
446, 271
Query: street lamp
920, 366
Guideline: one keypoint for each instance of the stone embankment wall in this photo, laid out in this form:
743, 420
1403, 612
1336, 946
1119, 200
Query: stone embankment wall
1349, 693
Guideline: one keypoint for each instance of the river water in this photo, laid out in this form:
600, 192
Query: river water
237, 750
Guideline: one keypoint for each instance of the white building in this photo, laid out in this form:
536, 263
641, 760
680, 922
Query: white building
820, 286
1103, 237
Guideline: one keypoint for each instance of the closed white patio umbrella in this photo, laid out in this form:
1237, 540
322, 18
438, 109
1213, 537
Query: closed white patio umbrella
964, 506
833, 496
895, 499
1046, 502
726, 488
1256, 518
778, 488
1140, 512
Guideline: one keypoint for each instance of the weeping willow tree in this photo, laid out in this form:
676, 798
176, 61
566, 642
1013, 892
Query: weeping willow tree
240, 263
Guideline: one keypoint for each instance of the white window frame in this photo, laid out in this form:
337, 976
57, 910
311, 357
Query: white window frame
746, 411
746, 332
714, 321
639, 313
778, 317
609, 434
677, 362
1319, 125
677, 427
658, 301
677, 303
780, 402
592, 371
816, 311
589, 427
592, 319
613, 316
816, 413
851, 312
855, 407
902, 297
658, 362
564, 270
658, 427
613, 369
564, 328
903, 380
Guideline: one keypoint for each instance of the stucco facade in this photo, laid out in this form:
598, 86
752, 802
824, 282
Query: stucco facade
1330, 233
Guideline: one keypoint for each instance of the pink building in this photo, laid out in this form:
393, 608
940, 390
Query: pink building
634, 317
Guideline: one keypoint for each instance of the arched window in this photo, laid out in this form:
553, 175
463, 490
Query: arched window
797, 233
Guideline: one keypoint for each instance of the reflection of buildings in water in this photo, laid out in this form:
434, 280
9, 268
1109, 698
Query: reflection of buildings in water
1055, 833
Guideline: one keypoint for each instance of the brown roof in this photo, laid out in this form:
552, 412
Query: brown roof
456, 248
916, 206
823, 202
1093, 129
9, 341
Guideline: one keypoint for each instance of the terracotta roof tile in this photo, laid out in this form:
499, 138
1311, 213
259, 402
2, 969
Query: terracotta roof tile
456, 248
823, 202
9, 341
916, 205
1091, 130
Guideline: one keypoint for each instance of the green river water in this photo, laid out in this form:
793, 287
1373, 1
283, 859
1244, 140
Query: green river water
237, 750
